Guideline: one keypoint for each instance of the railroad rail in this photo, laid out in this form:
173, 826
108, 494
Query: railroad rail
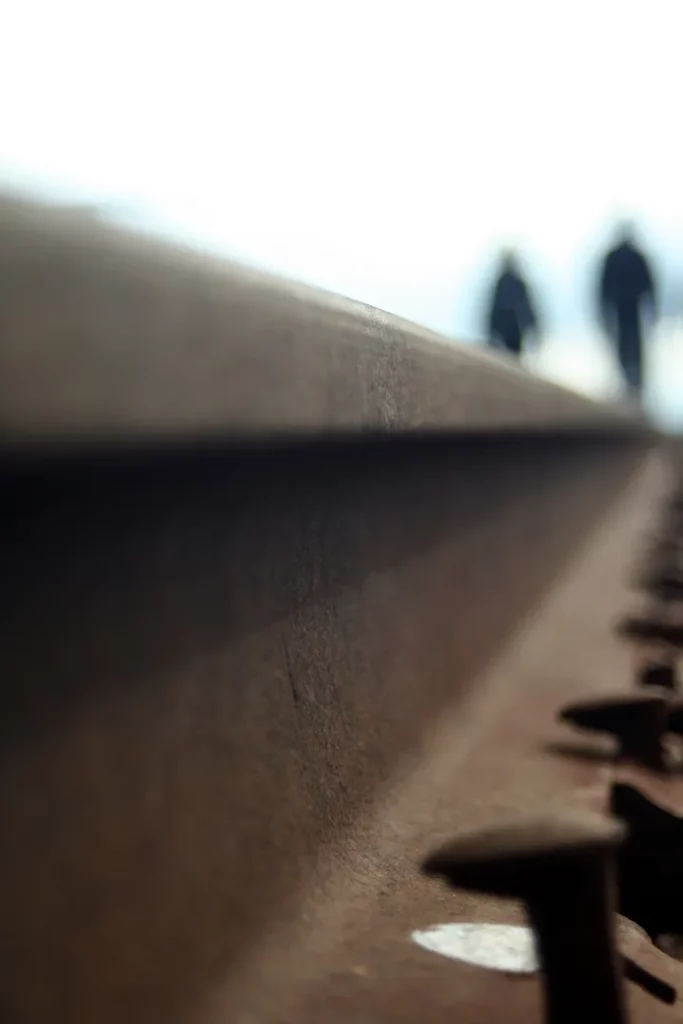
293, 590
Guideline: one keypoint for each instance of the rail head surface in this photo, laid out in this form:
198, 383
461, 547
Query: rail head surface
111, 336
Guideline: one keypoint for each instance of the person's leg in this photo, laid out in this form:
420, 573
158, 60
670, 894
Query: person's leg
630, 357
513, 339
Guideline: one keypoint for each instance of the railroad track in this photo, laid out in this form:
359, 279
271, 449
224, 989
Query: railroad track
573, 870
293, 591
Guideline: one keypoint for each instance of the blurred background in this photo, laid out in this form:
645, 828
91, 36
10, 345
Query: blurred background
385, 151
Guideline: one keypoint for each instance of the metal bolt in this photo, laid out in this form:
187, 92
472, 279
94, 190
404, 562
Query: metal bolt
661, 674
675, 723
649, 862
647, 821
643, 629
638, 723
665, 584
562, 868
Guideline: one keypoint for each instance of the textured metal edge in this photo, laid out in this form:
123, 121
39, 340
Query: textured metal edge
115, 336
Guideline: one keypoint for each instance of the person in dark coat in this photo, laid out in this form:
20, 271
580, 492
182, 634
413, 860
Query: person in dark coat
627, 289
511, 314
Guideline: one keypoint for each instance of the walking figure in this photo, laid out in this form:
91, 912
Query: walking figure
511, 314
626, 289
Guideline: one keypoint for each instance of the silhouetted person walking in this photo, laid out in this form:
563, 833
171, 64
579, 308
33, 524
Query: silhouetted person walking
511, 314
626, 287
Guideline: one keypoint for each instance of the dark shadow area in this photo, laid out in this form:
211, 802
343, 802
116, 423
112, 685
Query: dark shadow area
210, 661
106, 557
651, 629
637, 722
649, 863
661, 675
649, 982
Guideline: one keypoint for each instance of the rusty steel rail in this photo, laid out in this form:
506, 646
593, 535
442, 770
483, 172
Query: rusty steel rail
112, 336
259, 543
576, 871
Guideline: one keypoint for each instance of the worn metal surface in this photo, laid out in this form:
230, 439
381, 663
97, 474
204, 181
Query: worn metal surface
245, 686
108, 336
499, 752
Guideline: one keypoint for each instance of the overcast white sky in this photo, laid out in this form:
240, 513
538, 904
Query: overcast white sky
377, 148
